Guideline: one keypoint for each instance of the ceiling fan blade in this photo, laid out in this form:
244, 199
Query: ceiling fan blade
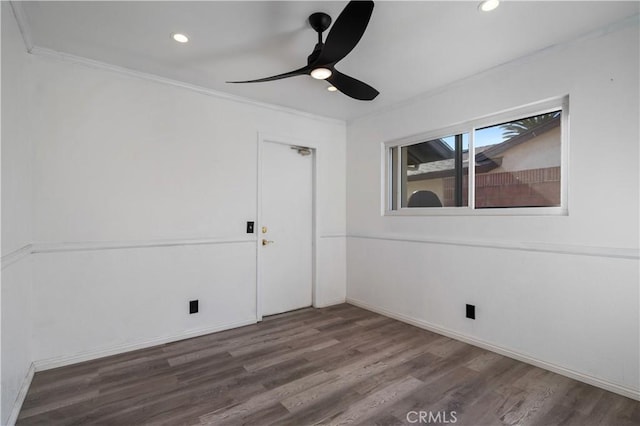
346, 32
302, 71
352, 87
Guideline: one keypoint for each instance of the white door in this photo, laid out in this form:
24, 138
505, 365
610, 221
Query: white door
286, 227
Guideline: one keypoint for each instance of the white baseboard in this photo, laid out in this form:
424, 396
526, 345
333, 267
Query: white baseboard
331, 303
612, 387
61, 361
22, 394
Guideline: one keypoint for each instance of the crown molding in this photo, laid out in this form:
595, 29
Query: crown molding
91, 63
630, 21
23, 24
25, 30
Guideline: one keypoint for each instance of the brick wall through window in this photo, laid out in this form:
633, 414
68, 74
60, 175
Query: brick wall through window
523, 188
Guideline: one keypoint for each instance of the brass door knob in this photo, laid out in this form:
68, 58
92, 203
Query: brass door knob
266, 242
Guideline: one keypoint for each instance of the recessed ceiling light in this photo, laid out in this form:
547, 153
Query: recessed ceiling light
332, 89
180, 38
321, 73
488, 5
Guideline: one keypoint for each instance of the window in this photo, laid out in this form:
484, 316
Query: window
518, 163
509, 161
432, 172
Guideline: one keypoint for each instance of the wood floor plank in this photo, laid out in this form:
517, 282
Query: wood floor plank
352, 373
57, 404
293, 354
369, 406
337, 365
265, 399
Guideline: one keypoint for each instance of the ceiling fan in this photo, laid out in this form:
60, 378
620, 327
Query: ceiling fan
343, 37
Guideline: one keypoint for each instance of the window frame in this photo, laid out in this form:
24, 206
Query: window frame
470, 126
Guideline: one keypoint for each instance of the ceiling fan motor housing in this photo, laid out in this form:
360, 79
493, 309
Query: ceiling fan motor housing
319, 21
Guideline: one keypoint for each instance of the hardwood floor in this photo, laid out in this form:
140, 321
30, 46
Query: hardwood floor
338, 365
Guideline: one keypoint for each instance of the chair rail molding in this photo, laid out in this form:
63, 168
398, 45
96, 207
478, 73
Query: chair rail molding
569, 249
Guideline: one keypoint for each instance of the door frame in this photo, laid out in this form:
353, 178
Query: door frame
291, 141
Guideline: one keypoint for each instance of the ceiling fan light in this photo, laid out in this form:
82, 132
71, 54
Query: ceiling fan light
321, 73
488, 5
332, 89
180, 38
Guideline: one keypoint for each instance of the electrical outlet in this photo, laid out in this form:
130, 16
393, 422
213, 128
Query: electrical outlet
193, 306
471, 311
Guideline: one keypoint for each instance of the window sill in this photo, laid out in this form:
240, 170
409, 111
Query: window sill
467, 211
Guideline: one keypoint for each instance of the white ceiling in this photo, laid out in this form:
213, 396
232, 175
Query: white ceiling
409, 47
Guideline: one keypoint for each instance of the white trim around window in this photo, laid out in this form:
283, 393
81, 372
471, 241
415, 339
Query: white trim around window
470, 127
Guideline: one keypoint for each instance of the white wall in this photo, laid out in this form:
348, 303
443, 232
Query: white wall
17, 352
111, 300
168, 177
123, 198
136, 194
537, 292
17, 161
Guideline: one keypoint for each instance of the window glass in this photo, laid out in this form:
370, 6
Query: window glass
517, 164
500, 164
434, 172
